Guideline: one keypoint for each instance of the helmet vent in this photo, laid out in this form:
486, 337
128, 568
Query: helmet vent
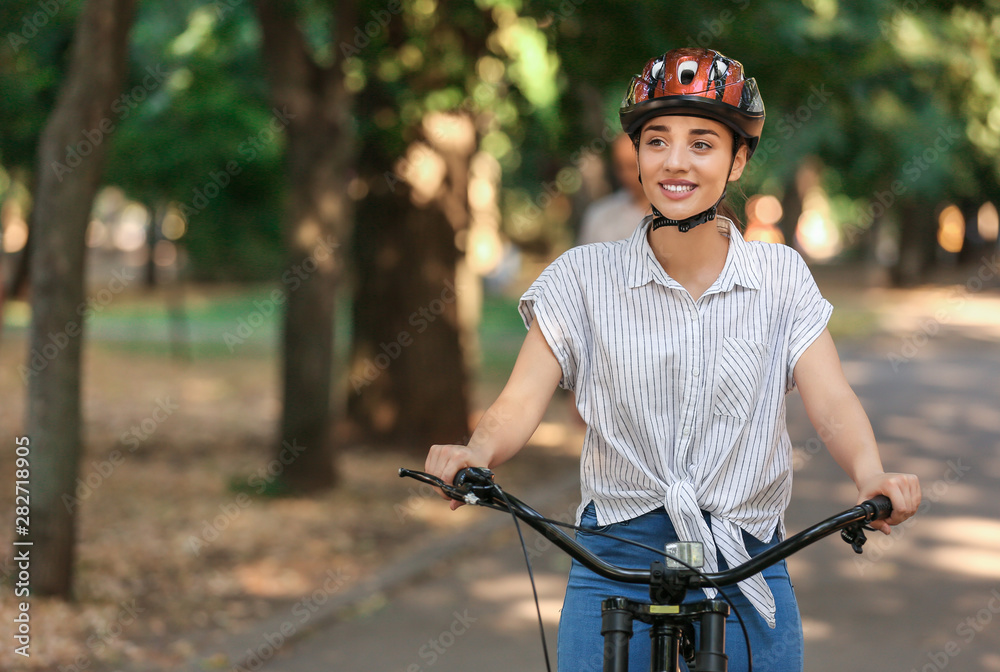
719, 69
686, 72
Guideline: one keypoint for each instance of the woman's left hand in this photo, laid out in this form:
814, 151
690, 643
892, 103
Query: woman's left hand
902, 489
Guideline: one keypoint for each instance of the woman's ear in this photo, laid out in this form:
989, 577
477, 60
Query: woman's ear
739, 162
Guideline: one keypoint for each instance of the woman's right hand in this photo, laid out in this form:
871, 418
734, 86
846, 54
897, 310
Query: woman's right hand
445, 461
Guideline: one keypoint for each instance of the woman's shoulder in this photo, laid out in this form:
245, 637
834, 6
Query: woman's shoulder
583, 268
777, 257
591, 255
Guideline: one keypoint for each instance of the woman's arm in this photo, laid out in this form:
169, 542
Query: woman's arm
512, 419
837, 415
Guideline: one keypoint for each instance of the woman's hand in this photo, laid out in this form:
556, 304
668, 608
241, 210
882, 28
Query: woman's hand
445, 461
902, 489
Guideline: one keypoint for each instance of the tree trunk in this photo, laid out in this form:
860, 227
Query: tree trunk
313, 104
408, 382
70, 161
791, 210
917, 243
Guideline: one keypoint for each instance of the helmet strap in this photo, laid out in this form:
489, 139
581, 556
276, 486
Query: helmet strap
685, 225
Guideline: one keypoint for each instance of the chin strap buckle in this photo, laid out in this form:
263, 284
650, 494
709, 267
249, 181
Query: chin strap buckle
684, 225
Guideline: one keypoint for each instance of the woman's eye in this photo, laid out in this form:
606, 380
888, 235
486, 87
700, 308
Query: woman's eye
700, 144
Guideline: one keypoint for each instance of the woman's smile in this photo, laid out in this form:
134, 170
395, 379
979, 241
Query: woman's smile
677, 190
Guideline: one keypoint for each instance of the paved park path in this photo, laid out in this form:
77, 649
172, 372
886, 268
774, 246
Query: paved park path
923, 600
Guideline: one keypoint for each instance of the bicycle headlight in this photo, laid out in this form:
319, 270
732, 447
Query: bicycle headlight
691, 552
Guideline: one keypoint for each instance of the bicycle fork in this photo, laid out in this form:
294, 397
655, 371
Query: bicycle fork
671, 633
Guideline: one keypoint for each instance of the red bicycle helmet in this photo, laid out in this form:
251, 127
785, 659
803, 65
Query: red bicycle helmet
699, 83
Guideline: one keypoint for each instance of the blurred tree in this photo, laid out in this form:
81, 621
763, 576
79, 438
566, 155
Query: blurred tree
450, 90
70, 161
308, 89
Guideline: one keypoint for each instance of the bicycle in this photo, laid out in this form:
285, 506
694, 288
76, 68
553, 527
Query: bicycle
672, 622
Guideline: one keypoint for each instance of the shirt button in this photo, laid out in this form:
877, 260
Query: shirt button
694, 317
686, 431
696, 373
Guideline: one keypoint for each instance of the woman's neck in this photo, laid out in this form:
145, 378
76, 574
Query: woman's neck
694, 258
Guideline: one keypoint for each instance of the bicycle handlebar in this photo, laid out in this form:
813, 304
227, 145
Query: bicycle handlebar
476, 486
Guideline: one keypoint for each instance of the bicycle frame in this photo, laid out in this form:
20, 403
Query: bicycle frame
671, 621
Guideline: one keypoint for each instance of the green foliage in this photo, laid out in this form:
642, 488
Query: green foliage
193, 125
205, 138
34, 47
868, 86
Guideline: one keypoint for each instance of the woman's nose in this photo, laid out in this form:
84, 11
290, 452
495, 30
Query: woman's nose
676, 158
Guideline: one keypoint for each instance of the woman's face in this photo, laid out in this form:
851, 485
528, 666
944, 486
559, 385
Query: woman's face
684, 163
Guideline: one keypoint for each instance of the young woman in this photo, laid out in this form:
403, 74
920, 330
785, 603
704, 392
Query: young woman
681, 343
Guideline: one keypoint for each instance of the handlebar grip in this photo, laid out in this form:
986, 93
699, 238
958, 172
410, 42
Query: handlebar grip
878, 507
470, 477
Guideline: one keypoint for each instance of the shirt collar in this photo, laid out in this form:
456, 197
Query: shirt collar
741, 266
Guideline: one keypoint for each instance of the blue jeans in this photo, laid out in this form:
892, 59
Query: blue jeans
581, 645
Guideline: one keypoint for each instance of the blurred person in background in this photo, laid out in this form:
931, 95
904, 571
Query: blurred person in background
615, 216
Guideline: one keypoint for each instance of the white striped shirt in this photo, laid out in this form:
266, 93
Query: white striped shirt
684, 400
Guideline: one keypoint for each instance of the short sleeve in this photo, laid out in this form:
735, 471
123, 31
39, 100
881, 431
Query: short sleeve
810, 315
556, 300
